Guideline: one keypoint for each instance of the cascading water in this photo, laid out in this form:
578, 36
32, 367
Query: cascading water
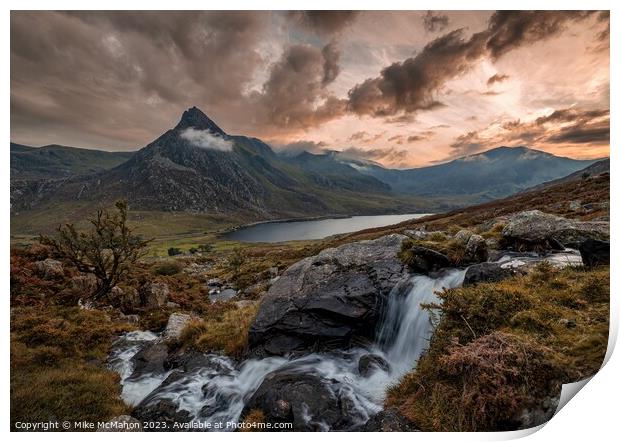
218, 391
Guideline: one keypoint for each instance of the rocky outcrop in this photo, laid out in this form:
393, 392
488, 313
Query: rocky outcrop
153, 294
301, 399
594, 252
537, 230
389, 420
328, 299
49, 268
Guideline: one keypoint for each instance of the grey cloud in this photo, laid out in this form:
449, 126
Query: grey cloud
409, 86
435, 22
325, 22
563, 126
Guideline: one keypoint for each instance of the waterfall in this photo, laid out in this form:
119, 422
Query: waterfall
406, 327
217, 393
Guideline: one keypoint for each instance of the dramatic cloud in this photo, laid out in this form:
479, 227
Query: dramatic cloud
435, 22
497, 78
206, 140
295, 96
561, 128
410, 85
391, 157
325, 22
119, 79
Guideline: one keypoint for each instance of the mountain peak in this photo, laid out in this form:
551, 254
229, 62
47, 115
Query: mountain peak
194, 117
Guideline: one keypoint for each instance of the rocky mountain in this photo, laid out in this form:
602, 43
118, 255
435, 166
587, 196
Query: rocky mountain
594, 169
197, 167
485, 176
53, 161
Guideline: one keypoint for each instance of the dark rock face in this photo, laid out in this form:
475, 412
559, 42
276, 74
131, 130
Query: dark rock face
369, 363
594, 252
487, 272
150, 360
535, 229
428, 260
389, 420
326, 300
162, 414
298, 398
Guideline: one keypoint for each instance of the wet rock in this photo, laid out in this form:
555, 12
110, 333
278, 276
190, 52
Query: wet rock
325, 300
487, 272
154, 294
191, 360
163, 414
427, 260
49, 268
176, 324
535, 229
123, 423
298, 398
149, 360
369, 363
594, 252
222, 295
389, 420
476, 249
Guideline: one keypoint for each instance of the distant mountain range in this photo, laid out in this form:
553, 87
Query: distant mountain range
55, 161
197, 167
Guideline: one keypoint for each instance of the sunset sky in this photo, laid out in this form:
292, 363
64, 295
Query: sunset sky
405, 89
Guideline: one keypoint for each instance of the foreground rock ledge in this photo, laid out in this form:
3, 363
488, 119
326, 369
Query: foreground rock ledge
324, 301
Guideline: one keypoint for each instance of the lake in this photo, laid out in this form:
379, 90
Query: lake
314, 229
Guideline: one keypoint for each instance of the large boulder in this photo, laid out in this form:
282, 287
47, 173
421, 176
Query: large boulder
327, 300
176, 324
153, 294
534, 229
49, 268
594, 252
476, 249
389, 420
301, 399
149, 360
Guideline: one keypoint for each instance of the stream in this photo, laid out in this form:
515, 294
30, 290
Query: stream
218, 391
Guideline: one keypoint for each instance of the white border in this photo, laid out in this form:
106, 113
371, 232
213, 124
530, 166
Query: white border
591, 416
